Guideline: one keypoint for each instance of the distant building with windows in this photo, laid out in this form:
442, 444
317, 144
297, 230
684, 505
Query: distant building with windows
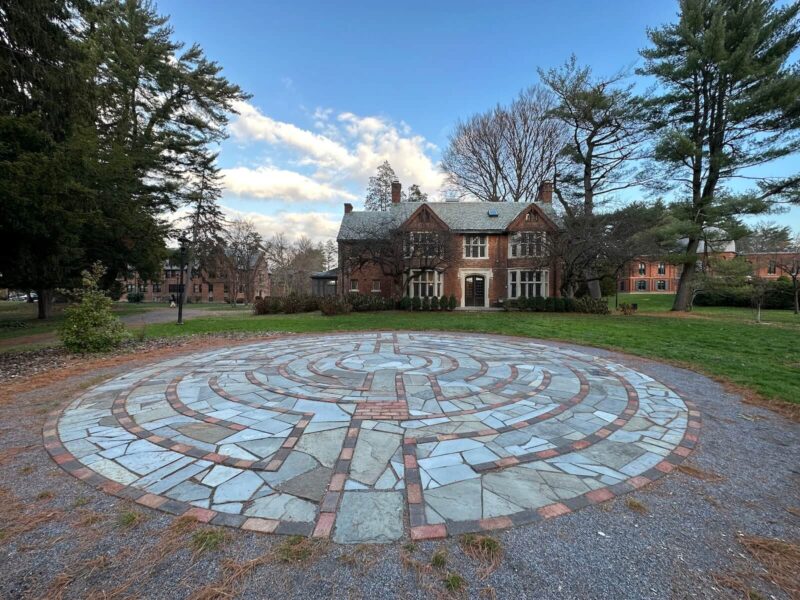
202, 287
647, 274
496, 250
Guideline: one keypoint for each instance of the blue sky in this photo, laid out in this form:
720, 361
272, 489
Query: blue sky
340, 86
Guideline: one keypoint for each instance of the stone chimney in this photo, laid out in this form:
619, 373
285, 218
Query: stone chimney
396, 187
545, 193
348, 208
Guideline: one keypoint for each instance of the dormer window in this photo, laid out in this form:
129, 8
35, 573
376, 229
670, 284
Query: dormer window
424, 216
531, 216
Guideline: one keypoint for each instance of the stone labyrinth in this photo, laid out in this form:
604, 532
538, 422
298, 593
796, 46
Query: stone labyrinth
370, 437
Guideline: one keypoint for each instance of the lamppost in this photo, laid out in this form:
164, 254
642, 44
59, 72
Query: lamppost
182, 250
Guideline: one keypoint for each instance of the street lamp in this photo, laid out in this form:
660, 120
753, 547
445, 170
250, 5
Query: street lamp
182, 250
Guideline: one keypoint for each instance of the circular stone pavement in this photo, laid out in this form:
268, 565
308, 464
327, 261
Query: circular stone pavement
367, 437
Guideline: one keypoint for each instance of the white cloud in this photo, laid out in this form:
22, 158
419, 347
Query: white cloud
251, 124
344, 155
318, 226
271, 183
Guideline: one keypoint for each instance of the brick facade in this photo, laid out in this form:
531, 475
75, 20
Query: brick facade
654, 275
465, 276
202, 288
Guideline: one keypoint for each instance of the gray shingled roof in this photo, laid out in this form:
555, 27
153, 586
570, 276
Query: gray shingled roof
459, 216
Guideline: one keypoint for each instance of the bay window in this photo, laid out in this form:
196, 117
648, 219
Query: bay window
424, 284
529, 284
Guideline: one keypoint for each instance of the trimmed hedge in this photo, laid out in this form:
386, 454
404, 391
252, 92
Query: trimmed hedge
538, 304
777, 294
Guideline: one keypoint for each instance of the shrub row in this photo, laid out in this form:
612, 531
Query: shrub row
426, 304
777, 294
538, 304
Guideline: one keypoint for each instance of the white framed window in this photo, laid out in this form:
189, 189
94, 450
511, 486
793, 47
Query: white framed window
424, 284
641, 285
642, 268
376, 285
662, 268
526, 243
661, 285
475, 246
354, 286
771, 267
530, 284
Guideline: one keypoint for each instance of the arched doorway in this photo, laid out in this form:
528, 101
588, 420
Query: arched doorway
474, 290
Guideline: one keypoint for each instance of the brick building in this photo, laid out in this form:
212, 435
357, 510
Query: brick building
649, 274
202, 287
496, 250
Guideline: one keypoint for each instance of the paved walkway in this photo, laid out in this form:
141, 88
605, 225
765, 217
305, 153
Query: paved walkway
377, 436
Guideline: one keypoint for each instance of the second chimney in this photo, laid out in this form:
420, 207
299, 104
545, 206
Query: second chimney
545, 193
396, 187
348, 208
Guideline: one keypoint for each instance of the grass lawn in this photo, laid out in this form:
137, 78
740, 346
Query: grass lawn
721, 342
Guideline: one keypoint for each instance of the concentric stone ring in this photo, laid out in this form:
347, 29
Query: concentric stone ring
369, 437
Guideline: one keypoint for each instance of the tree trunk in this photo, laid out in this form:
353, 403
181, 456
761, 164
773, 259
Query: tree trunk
682, 295
45, 303
796, 296
593, 283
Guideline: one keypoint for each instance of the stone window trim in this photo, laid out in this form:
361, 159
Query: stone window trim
376, 285
662, 268
521, 282
426, 284
641, 285
475, 246
354, 286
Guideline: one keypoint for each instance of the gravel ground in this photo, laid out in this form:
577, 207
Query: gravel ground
61, 538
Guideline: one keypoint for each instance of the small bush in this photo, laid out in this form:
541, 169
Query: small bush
90, 326
416, 303
434, 303
626, 308
452, 303
268, 306
595, 306
405, 303
135, 297
537, 304
333, 305
369, 302
444, 303
426, 303
293, 303
549, 305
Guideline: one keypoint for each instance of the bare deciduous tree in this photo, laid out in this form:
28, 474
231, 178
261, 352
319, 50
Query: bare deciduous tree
399, 252
502, 155
241, 255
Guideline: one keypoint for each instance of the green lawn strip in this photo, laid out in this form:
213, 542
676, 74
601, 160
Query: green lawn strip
764, 358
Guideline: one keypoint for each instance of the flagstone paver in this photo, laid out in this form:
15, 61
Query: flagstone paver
370, 437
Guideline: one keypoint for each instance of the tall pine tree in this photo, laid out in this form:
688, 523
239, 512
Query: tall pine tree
44, 119
159, 105
729, 100
379, 188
